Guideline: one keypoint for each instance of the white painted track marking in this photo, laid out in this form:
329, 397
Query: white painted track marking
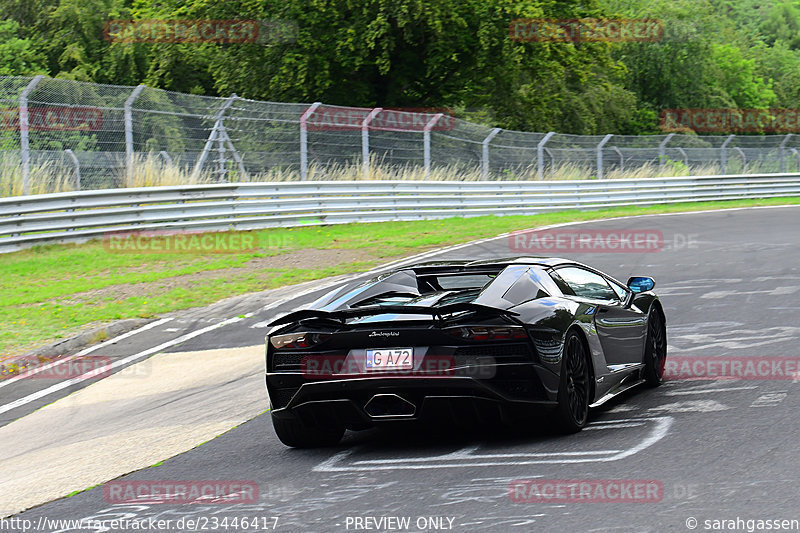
27, 374
470, 460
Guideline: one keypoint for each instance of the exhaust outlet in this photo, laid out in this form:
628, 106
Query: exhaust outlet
389, 405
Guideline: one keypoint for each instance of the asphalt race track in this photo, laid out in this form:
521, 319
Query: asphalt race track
717, 449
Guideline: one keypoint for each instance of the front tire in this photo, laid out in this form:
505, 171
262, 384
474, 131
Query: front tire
574, 388
293, 432
655, 350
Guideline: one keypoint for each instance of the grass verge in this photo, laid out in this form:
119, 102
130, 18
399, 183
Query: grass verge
51, 292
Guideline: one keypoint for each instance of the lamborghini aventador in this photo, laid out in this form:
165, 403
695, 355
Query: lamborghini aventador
485, 340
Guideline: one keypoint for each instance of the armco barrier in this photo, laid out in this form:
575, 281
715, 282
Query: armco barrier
80, 216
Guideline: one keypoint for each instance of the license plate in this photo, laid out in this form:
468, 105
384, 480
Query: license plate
390, 358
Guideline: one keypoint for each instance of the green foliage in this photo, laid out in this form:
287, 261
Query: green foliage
779, 63
737, 81
783, 25
18, 57
433, 53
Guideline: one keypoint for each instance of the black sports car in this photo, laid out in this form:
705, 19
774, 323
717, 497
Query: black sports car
490, 339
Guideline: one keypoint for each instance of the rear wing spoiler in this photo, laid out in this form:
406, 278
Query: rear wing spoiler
437, 312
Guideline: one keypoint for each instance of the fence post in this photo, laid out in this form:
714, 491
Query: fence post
365, 141
662, 150
723, 157
782, 151
221, 171
71, 154
215, 132
540, 155
24, 126
426, 143
485, 152
128, 116
304, 139
600, 155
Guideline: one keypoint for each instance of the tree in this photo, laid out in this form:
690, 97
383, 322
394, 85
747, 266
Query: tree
18, 57
782, 24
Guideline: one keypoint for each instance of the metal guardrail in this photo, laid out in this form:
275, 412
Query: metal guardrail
79, 216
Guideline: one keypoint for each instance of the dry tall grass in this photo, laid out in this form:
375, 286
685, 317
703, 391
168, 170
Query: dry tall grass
153, 170
50, 176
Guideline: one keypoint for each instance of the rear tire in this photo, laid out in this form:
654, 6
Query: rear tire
655, 350
574, 387
293, 432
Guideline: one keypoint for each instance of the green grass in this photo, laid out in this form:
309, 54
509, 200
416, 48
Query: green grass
49, 292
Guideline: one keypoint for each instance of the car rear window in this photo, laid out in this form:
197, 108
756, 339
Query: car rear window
463, 281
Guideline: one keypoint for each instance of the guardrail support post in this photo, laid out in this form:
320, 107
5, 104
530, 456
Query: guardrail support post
485, 151
540, 155
128, 118
782, 151
365, 141
723, 156
662, 150
426, 143
600, 155
71, 154
24, 127
304, 139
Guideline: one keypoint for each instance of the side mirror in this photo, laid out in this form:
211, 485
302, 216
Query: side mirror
641, 284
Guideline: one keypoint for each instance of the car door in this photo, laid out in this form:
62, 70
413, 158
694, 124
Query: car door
620, 329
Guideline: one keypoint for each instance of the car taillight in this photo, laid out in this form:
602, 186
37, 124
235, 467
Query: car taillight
479, 333
297, 341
